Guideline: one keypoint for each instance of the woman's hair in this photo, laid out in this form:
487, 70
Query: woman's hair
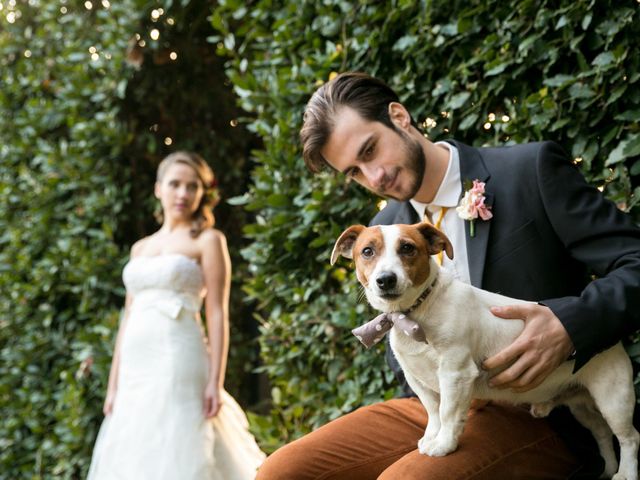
368, 96
203, 216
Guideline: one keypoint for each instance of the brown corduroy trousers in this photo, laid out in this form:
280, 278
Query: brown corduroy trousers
379, 441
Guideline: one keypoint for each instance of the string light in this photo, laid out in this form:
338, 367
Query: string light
168, 141
487, 126
11, 17
492, 117
88, 5
63, 10
92, 50
233, 123
173, 55
27, 53
429, 123
154, 34
106, 4
170, 21
95, 57
505, 118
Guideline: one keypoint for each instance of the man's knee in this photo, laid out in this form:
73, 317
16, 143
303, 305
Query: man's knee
286, 463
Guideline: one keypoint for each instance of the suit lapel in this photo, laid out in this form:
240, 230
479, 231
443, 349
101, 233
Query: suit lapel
405, 213
472, 167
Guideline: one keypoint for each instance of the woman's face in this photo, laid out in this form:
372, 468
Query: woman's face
179, 191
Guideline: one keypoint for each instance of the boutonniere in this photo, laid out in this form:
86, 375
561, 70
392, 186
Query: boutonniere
472, 205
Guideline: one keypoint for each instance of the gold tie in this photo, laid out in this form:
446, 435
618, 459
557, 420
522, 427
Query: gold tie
443, 210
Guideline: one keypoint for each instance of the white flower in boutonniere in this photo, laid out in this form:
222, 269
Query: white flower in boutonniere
472, 205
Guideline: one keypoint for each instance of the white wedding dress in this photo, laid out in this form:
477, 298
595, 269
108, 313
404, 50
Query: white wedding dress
157, 429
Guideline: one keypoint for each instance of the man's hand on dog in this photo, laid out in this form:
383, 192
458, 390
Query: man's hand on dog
539, 349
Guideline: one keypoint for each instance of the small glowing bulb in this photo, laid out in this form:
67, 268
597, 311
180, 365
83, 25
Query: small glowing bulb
95, 57
492, 117
142, 43
173, 55
168, 141
233, 123
170, 21
63, 10
88, 5
505, 118
487, 126
11, 17
154, 34
106, 4
27, 53
155, 15
92, 50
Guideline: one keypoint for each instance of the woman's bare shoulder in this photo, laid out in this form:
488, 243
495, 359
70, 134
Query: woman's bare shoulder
138, 247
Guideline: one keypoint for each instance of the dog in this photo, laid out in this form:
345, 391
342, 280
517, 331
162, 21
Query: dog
394, 264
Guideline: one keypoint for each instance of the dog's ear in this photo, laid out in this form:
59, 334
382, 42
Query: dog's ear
344, 244
437, 240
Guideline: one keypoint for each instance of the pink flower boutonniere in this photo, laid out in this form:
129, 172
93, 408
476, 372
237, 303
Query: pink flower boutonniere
472, 205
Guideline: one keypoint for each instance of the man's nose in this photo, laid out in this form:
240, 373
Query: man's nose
374, 175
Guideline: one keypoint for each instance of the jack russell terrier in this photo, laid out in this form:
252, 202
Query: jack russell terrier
451, 331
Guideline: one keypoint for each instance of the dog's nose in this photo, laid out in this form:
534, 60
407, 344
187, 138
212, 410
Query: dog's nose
386, 281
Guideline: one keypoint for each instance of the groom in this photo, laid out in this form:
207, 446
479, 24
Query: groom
552, 238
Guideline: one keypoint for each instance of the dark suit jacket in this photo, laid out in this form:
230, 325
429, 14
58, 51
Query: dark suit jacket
552, 239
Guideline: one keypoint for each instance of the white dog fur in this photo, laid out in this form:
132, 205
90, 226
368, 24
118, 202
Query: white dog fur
445, 372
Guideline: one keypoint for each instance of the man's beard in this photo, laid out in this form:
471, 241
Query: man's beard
415, 163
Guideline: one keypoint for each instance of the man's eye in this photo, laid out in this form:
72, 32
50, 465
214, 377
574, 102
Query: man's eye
369, 151
353, 172
407, 249
367, 252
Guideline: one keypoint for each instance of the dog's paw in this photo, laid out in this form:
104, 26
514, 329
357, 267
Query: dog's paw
541, 410
437, 447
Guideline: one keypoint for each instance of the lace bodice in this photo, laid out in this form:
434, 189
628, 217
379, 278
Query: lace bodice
175, 272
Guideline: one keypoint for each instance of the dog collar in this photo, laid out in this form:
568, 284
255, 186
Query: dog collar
422, 296
373, 331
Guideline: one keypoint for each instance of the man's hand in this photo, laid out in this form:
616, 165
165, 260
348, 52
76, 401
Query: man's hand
539, 349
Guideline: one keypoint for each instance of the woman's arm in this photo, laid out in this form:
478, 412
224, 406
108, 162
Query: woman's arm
216, 266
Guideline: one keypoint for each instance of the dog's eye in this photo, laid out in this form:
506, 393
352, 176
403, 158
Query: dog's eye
407, 249
367, 252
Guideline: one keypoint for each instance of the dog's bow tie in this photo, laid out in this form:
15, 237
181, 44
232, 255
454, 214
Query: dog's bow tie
374, 330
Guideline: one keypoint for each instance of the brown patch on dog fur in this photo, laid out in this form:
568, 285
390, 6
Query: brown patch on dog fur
437, 240
372, 238
415, 265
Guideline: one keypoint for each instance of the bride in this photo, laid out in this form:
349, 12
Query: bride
167, 413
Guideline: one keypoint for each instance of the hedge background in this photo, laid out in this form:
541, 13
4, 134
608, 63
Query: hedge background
82, 129
486, 73
87, 110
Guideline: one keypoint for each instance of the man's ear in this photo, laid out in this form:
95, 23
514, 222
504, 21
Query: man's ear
156, 190
399, 115
437, 240
344, 244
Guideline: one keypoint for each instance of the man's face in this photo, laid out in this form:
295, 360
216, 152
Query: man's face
388, 162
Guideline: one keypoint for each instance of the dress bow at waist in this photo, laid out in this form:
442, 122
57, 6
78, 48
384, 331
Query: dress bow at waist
167, 302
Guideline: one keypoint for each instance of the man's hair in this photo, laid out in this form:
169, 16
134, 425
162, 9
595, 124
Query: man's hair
367, 95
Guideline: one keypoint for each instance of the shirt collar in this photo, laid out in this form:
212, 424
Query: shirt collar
450, 188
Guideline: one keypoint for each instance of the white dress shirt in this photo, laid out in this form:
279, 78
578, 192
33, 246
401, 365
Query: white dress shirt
448, 195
